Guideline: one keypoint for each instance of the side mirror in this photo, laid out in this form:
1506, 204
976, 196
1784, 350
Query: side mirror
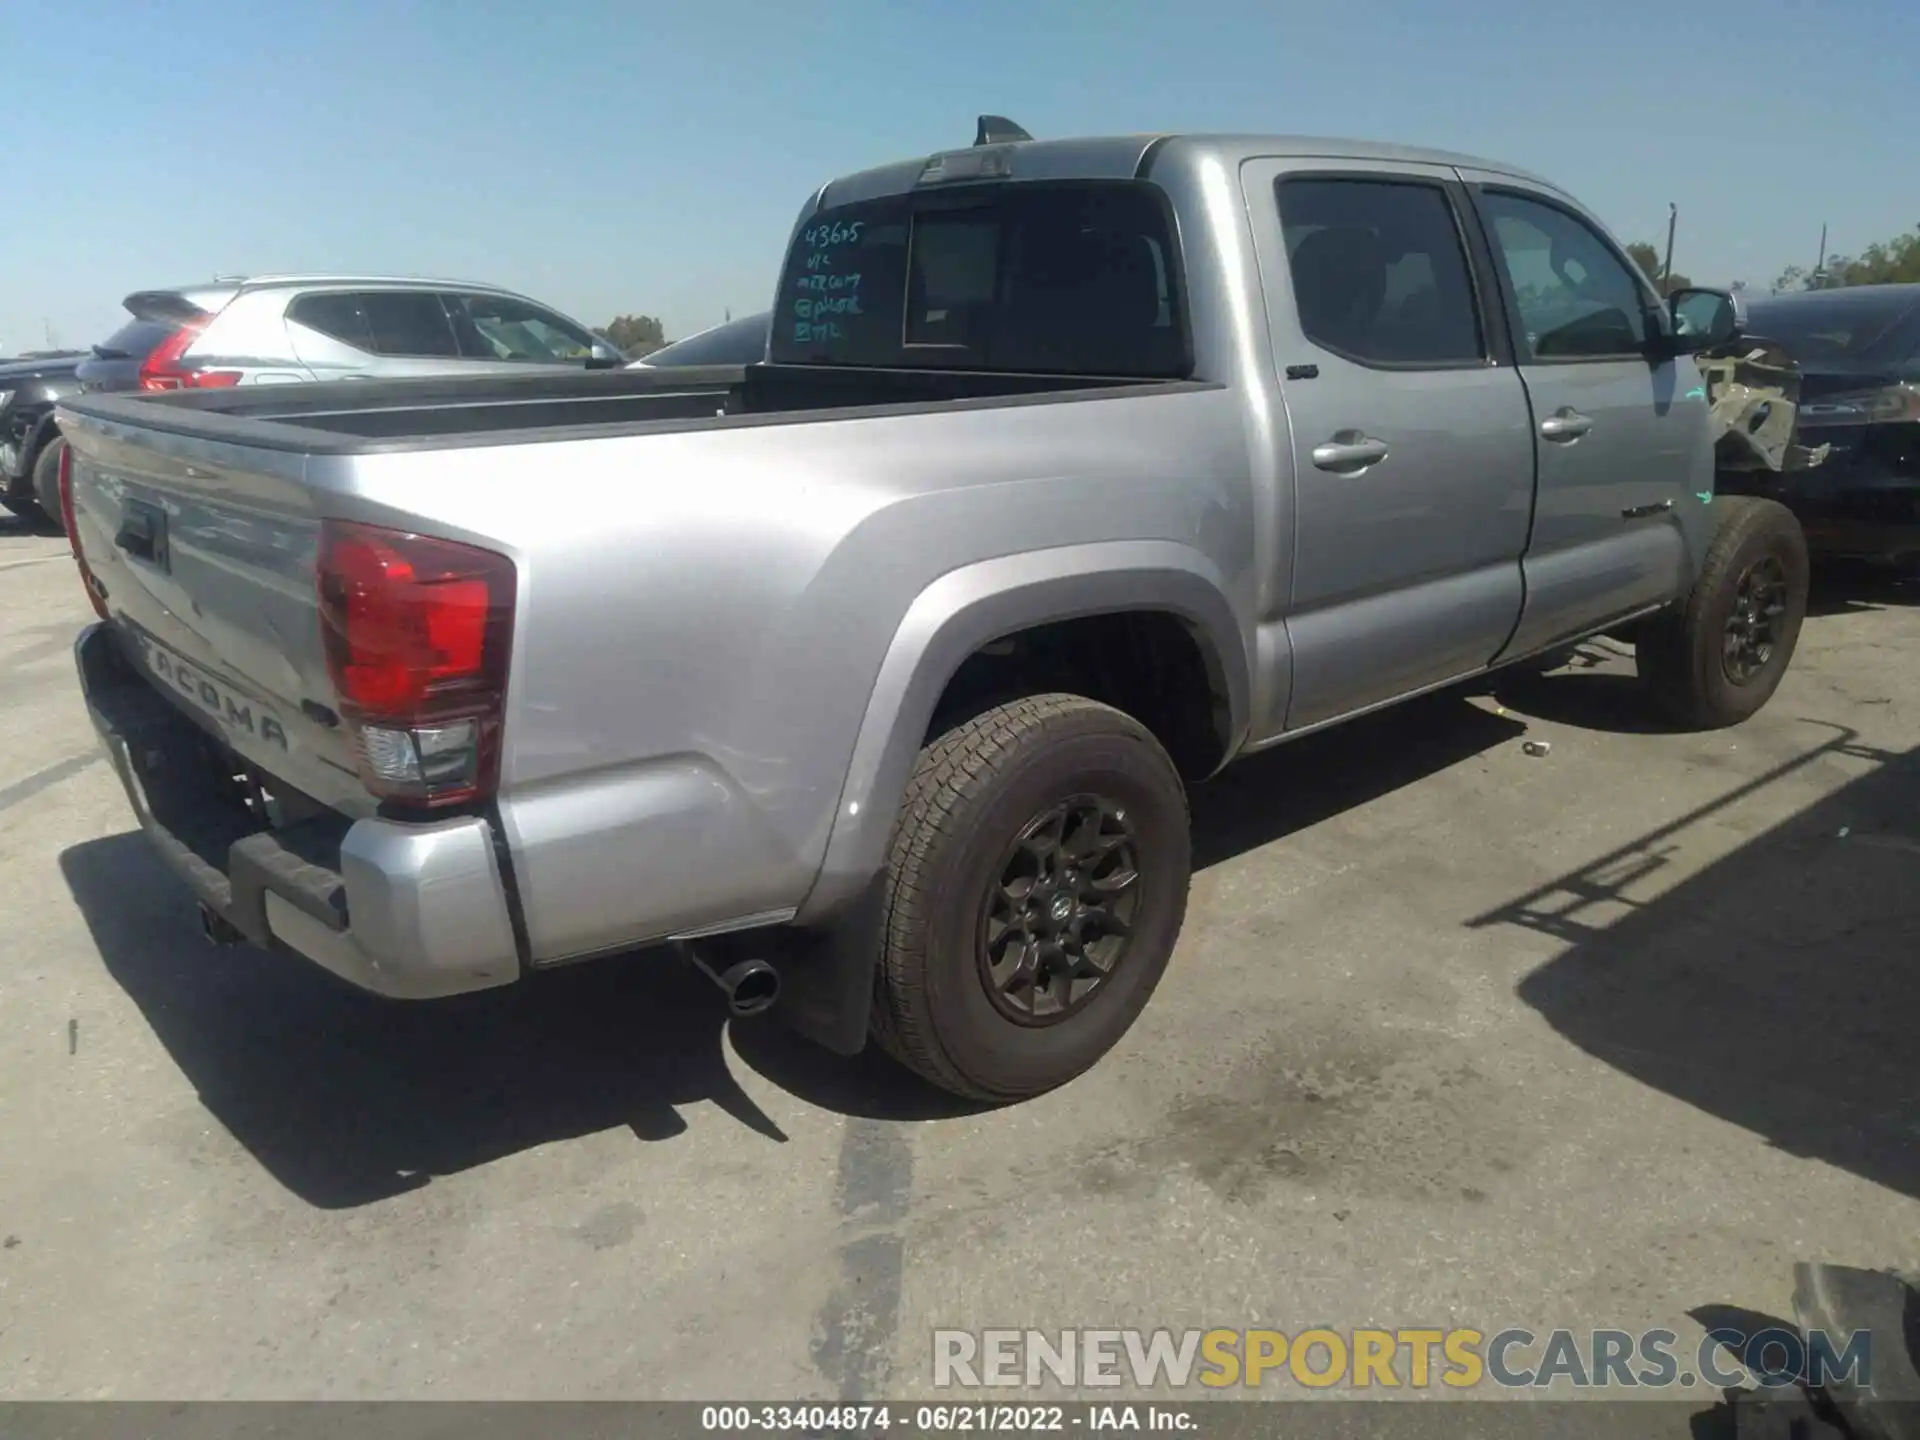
1706, 319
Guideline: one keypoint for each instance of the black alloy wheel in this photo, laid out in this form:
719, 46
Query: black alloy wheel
1754, 623
1058, 918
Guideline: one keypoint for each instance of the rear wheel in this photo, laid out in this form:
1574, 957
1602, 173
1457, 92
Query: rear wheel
1714, 660
1036, 884
46, 483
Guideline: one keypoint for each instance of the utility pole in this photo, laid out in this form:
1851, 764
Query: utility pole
1820, 265
1666, 270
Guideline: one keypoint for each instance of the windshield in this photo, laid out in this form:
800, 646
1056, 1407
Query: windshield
1055, 278
1832, 325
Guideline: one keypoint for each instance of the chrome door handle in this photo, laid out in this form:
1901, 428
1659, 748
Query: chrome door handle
1565, 424
1348, 451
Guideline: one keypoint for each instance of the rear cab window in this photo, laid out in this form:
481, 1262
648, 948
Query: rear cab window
1078, 278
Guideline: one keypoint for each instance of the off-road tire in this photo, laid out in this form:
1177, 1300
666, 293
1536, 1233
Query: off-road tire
46, 484
972, 791
1680, 652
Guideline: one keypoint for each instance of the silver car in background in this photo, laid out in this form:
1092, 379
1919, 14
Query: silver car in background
286, 329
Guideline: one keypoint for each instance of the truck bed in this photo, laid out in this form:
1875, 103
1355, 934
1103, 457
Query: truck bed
360, 417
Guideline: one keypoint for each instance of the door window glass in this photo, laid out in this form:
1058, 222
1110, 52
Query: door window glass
1577, 298
409, 323
338, 317
1379, 273
499, 327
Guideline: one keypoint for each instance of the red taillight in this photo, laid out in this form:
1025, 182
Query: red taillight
96, 592
163, 368
417, 632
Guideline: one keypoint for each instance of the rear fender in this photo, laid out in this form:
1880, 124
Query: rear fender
974, 605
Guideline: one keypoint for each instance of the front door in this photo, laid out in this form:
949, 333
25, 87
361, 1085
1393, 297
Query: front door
1412, 445
1620, 426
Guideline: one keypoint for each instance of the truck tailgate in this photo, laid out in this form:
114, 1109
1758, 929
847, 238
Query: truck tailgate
205, 552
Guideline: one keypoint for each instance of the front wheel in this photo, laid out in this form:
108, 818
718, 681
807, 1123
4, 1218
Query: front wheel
1715, 659
1036, 884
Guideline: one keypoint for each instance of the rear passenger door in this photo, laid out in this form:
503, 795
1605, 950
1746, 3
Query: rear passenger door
1412, 449
1620, 440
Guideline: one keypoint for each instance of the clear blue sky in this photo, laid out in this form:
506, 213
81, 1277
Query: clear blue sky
614, 156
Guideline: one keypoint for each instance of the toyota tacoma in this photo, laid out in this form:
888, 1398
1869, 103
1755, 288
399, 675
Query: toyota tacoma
873, 676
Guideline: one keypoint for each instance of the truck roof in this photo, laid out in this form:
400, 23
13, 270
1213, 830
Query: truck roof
1117, 157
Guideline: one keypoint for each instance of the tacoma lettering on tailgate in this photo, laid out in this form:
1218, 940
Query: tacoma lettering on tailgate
223, 704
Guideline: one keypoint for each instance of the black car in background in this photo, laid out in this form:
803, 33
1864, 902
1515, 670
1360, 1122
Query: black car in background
1857, 353
736, 342
29, 444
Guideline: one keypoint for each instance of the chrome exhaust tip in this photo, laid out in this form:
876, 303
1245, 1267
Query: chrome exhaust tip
751, 986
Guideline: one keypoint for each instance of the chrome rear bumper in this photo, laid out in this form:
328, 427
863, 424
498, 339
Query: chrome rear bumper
403, 910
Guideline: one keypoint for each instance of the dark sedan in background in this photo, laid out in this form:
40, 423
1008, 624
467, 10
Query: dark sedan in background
736, 342
29, 443
1852, 470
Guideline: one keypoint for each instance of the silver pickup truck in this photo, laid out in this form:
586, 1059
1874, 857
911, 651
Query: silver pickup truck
872, 676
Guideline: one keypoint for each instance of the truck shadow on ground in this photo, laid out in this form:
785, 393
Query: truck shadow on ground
1599, 686
1597, 689
1774, 989
348, 1099
1843, 587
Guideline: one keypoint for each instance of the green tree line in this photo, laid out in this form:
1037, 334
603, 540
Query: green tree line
636, 335
1648, 259
1885, 262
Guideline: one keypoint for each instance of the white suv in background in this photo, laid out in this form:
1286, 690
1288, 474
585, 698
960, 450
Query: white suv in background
283, 329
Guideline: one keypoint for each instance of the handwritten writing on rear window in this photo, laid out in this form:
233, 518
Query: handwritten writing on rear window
826, 292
